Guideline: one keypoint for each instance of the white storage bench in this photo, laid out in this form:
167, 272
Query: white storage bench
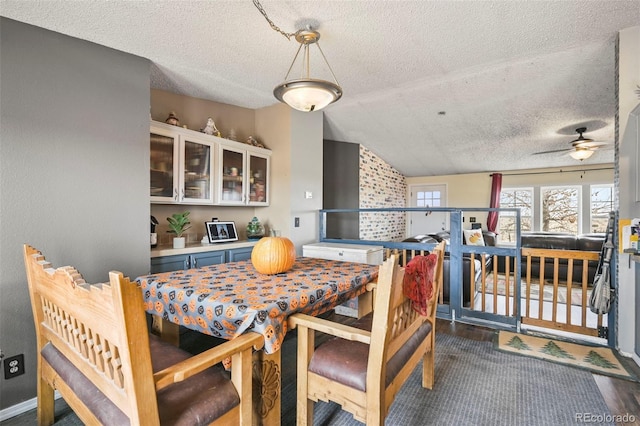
372, 255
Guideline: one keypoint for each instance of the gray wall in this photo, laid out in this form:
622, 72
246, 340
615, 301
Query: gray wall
306, 175
74, 171
341, 183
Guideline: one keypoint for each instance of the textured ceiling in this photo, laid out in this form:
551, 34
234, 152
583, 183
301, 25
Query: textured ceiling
513, 77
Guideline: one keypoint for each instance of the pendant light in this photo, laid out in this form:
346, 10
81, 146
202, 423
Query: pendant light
307, 94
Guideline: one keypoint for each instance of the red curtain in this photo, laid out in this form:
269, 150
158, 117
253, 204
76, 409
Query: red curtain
496, 187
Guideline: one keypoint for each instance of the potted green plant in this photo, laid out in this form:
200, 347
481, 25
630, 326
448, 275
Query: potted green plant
178, 223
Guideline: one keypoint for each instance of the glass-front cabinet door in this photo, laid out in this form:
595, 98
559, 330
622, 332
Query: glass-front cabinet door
258, 179
232, 163
196, 177
164, 166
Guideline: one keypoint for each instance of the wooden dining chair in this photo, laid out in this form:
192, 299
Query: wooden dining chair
95, 350
365, 365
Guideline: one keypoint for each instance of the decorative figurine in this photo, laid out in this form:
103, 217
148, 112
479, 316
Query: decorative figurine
172, 119
254, 142
210, 128
232, 135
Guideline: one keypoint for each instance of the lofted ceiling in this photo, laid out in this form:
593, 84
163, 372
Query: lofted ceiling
432, 87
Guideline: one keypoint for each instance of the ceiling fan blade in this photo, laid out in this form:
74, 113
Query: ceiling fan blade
590, 145
552, 151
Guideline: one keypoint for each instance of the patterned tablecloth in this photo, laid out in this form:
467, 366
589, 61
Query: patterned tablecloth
228, 299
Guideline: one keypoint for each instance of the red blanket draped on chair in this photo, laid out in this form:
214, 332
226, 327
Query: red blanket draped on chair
418, 281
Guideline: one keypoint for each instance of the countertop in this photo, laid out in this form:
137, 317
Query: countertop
168, 250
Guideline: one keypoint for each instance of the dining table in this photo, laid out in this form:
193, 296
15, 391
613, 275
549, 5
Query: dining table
228, 299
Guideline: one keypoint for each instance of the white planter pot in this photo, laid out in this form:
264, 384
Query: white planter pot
178, 242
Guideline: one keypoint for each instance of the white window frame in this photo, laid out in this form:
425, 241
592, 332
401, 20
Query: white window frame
531, 191
599, 185
431, 199
579, 206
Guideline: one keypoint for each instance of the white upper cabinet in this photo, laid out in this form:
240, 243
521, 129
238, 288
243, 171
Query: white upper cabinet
181, 166
197, 177
258, 189
244, 178
189, 167
165, 152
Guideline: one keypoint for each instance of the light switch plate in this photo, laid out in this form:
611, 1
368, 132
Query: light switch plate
308, 195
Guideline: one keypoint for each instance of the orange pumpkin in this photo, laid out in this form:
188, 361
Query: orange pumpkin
273, 255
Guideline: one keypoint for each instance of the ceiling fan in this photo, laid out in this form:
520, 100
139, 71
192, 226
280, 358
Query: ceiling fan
581, 148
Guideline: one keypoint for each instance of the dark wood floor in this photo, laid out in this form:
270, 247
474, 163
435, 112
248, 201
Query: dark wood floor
622, 396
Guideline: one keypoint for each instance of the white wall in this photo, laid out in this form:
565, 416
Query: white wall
296, 168
74, 171
273, 123
629, 79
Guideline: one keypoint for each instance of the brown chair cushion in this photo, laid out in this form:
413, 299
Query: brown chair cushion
199, 400
105, 410
345, 361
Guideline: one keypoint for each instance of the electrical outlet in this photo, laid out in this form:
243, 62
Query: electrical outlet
472, 219
13, 366
296, 222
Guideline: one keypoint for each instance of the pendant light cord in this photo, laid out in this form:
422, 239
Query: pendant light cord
258, 6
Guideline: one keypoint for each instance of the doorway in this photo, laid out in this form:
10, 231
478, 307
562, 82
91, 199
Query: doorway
428, 222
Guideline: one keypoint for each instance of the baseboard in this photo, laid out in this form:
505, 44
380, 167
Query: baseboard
23, 407
634, 356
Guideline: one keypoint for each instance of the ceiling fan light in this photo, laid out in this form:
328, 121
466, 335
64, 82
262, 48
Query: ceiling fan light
581, 154
307, 95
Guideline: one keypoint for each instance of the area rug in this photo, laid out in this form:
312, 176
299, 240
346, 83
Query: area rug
598, 359
477, 385
547, 291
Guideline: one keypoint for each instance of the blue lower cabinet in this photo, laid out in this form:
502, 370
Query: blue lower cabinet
178, 262
169, 263
208, 258
236, 255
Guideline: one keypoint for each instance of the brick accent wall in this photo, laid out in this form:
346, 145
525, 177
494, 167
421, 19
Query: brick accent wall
381, 186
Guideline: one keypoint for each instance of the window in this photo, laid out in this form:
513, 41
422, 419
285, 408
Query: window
601, 205
521, 198
428, 198
560, 209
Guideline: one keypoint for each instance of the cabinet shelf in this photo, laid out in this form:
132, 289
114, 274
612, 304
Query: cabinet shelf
164, 172
196, 177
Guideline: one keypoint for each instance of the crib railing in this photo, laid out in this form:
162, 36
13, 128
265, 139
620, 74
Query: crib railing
552, 297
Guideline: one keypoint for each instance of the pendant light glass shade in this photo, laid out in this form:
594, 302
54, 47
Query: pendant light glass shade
581, 154
307, 94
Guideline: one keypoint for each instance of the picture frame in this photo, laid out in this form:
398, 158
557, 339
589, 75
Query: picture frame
221, 232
